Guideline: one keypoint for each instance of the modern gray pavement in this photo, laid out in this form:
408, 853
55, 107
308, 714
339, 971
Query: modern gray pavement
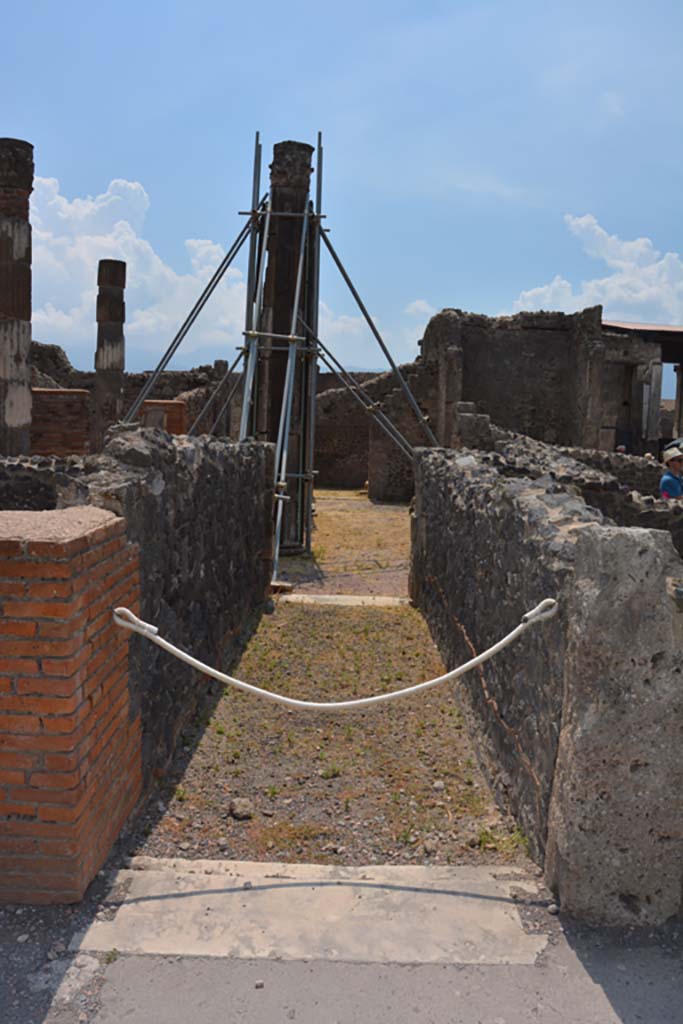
215, 942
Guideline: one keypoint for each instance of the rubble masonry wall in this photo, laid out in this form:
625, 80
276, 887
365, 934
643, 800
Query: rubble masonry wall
200, 511
579, 723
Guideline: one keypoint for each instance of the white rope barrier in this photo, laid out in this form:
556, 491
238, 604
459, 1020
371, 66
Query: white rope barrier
127, 620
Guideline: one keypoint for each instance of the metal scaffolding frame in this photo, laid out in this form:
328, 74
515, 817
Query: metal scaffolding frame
303, 347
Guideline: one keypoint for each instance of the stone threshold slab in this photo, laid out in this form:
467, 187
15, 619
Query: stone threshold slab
344, 600
379, 914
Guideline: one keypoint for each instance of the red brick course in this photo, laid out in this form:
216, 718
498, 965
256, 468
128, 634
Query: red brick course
174, 412
70, 748
60, 421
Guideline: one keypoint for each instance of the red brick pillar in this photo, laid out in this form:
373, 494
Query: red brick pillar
16, 185
70, 735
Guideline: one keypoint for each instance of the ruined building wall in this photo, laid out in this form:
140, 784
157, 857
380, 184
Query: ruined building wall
535, 373
200, 511
632, 471
341, 440
578, 722
547, 375
351, 448
54, 362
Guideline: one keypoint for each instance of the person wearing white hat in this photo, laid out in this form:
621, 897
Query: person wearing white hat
671, 484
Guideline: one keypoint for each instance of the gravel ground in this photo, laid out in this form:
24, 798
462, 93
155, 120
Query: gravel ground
397, 783
359, 547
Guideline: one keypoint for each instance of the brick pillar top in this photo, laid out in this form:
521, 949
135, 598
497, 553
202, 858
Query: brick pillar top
111, 309
291, 166
16, 177
112, 272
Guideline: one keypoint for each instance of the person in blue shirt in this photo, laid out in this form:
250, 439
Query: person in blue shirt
671, 484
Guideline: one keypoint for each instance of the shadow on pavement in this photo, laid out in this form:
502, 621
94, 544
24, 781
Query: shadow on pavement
640, 971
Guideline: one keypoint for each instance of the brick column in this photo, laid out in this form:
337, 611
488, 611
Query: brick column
16, 185
70, 736
107, 394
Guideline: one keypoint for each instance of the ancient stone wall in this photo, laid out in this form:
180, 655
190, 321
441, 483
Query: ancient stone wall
390, 470
607, 481
195, 402
531, 373
635, 472
351, 448
341, 440
53, 361
200, 511
577, 723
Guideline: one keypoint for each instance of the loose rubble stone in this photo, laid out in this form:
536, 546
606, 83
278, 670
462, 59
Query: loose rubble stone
241, 808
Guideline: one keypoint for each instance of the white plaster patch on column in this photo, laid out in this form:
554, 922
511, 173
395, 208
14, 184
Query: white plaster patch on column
111, 355
17, 409
15, 342
19, 232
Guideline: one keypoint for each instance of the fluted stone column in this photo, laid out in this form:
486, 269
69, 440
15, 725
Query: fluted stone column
110, 356
16, 185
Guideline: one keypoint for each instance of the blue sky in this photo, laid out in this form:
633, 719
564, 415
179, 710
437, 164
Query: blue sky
491, 156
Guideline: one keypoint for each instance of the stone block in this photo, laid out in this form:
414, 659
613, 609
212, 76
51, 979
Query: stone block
615, 830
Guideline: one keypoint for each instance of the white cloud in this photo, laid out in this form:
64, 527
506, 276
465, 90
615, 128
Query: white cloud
419, 307
644, 285
71, 236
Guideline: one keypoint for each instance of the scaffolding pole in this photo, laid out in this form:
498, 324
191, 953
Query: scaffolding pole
399, 376
370, 407
252, 340
187, 323
312, 369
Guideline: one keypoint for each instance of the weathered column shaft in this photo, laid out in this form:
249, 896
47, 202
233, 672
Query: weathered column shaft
110, 356
290, 174
16, 185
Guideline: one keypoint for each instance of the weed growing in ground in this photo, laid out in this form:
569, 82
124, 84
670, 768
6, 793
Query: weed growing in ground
333, 771
508, 842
